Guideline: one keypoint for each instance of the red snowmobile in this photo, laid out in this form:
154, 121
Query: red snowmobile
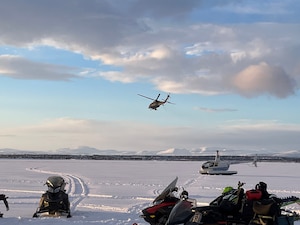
55, 201
163, 204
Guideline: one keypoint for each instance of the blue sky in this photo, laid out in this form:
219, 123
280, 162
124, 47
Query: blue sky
70, 72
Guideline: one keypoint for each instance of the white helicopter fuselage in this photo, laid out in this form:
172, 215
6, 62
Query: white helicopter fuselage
216, 167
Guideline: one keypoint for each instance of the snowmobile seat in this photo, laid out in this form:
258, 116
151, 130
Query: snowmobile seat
266, 212
54, 202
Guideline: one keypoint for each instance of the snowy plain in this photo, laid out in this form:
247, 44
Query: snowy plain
115, 192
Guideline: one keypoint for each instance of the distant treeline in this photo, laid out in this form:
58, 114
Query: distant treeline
149, 157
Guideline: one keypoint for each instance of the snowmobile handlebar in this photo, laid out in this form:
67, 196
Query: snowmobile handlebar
4, 199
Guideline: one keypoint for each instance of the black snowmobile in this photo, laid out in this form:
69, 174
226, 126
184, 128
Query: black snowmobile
55, 201
4, 199
234, 206
219, 211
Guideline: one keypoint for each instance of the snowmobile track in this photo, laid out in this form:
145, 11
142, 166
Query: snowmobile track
78, 190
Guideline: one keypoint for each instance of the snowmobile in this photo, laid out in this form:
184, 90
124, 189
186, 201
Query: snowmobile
55, 201
216, 213
162, 205
4, 199
235, 206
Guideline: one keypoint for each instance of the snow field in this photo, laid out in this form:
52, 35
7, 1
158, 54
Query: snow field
115, 192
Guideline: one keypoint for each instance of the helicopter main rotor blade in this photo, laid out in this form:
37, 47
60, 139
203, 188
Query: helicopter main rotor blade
146, 97
170, 102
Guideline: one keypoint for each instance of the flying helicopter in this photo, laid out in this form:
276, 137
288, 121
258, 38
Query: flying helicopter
156, 103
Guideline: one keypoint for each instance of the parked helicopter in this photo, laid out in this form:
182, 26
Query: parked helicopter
156, 103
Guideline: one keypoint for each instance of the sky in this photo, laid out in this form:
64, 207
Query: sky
71, 72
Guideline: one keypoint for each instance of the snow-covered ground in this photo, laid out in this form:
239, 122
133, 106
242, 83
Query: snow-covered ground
115, 192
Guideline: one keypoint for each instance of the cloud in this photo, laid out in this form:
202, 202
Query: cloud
263, 125
72, 132
135, 136
262, 78
169, 47
21, 68
259, 134
204, 109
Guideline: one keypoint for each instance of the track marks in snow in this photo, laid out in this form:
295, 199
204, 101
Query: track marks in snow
105, 208
78, 190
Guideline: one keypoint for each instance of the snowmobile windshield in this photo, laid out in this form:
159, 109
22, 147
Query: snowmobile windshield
169, 189
55, 184
181, 213
53, 190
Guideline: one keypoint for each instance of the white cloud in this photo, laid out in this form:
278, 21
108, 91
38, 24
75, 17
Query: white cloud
161, 52
133, 136
153, 42
237, 56
210, 110
263, 78
22, 68
260, 125
117, 76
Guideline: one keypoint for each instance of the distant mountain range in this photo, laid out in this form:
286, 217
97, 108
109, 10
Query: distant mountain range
85, 150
